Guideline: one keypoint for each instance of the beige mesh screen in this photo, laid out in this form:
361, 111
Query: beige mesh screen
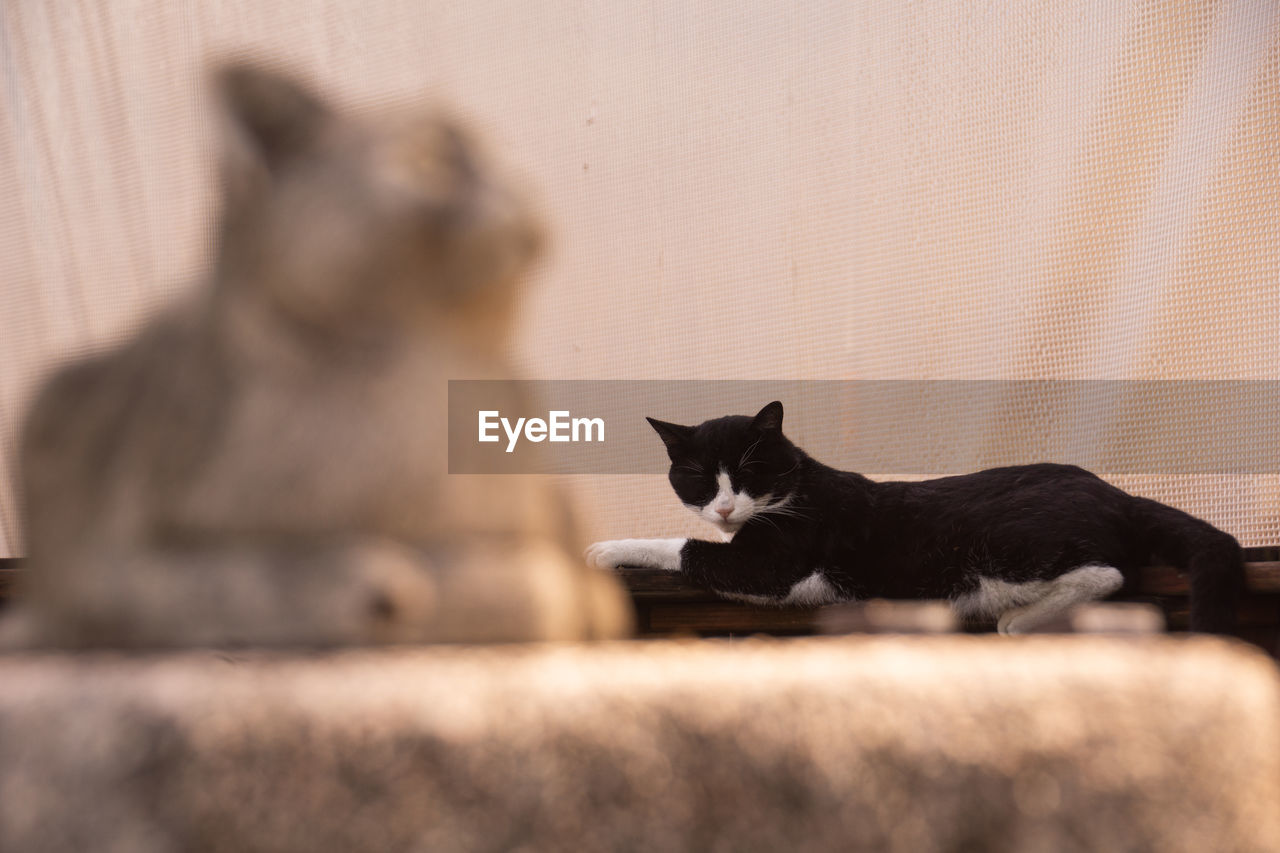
740, 188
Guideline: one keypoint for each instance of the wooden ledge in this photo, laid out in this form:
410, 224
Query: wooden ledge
658, 585
667, 604
1260, 577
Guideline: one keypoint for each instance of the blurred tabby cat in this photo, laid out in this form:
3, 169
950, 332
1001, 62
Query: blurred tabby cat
266, 463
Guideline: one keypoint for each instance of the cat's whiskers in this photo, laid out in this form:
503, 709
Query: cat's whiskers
780, 503
781, 508
787, 511
765, 518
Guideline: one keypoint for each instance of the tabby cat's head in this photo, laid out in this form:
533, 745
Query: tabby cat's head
336, 220
731, 469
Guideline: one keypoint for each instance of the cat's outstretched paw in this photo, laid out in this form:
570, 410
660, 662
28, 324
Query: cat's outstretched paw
641, 553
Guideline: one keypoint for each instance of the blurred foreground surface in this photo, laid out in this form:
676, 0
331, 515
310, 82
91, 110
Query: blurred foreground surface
922, 744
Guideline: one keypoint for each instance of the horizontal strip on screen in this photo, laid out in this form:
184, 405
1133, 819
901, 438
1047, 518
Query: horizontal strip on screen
905, 427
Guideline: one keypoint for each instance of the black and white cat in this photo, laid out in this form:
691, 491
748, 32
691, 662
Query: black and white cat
1019, 544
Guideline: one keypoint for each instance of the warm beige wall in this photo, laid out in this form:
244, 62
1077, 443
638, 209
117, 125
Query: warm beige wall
739, 189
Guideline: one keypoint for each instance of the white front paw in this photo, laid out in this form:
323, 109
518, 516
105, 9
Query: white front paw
643, 553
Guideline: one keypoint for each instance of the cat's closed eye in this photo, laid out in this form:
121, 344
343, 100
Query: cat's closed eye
693, 487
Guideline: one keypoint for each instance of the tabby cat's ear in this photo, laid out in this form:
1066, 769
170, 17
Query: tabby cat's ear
769, 418
673, 435
279, 117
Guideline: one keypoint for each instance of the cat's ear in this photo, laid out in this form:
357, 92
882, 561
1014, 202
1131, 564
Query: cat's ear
769, 419
673, 436
278, 117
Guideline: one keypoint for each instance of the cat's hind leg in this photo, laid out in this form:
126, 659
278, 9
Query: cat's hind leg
1086, 583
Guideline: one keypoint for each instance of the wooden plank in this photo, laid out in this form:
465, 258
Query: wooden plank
879, 616
666, 603
1253, 610
1262, 577
8, 581
727, 617
669, 586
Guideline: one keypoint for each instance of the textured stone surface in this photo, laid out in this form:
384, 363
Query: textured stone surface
904, 744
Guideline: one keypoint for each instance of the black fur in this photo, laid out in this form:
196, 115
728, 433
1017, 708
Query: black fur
931, 539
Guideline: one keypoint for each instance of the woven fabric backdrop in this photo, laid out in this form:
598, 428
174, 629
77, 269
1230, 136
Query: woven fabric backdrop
739, 188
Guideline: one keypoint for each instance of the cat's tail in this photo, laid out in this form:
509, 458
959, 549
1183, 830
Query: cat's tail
1212, 560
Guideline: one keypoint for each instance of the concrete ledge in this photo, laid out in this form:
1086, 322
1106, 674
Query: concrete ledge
904, 744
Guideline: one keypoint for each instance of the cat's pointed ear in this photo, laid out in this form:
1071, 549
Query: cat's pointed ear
769, 418
277, 116
673, 435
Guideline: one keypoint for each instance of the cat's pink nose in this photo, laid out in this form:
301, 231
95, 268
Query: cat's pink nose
725, 512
